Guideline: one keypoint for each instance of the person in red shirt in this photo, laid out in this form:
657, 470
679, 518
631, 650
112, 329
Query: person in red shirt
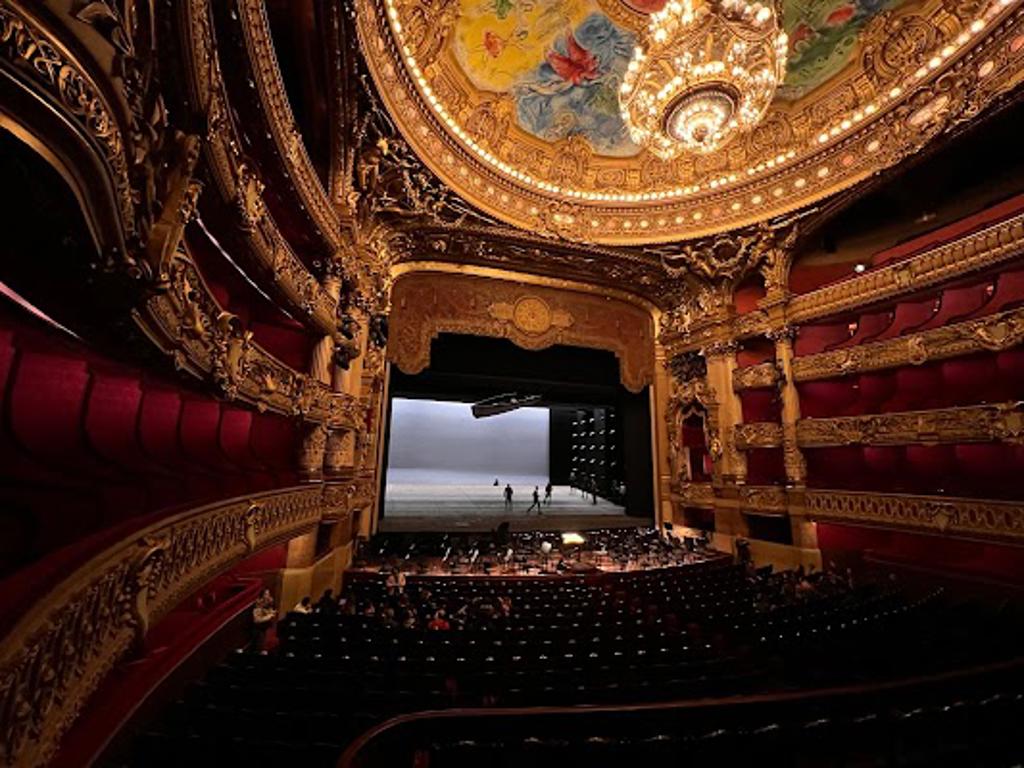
439, 621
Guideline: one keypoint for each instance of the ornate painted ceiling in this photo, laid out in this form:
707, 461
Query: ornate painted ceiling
513, 104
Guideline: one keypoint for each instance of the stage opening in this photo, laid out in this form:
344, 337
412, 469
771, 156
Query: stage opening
492, 433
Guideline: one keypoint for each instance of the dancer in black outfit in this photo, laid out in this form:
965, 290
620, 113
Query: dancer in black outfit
536, 501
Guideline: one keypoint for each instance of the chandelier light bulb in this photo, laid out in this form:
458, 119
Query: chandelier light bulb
705, 71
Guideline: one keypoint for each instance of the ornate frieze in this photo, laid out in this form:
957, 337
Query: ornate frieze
761, 434
187, 323
936, 514
59, 653
700, 495
983, 249
27, 48
1003, 422
756, 376
992, 333
763, 498
533, 317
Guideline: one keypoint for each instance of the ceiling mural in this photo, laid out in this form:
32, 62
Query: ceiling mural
823, 35
514, 104
561, 62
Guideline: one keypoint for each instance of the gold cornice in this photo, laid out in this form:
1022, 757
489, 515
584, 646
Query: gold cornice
35, 51
952, 92
59, 653
526, 278
1001, 422
963, 518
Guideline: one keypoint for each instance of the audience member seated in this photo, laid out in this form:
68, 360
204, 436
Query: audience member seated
703, 628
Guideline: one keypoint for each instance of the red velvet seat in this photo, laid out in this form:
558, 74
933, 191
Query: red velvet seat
812, 339
908, 317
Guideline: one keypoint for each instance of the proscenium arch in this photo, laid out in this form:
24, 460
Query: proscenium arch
425, 304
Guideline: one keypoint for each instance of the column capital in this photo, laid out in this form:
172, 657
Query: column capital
721, 348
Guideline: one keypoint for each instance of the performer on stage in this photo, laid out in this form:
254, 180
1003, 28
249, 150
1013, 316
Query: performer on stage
536, 501
508, 497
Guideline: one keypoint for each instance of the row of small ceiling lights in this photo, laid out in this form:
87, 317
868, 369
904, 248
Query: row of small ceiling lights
837, 130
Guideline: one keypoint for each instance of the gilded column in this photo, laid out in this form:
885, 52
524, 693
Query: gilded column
796, 467
721, 362
665, 444
805, 532
322, 365
731, 470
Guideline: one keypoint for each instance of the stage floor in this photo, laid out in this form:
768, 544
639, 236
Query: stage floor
422, 507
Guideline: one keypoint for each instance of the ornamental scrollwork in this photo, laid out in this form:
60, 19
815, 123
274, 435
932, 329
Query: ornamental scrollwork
425, 304
60, 651
1002, 422
955, 516
760, 434
763, 375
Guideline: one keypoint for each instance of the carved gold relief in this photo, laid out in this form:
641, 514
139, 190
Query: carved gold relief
980, 423
57, 654
427, 304
760, 434
994, 333
962, 517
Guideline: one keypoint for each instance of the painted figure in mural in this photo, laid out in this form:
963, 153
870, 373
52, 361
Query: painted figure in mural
561, 61
823, 35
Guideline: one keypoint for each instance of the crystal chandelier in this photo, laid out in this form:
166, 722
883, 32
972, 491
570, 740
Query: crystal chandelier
705, 71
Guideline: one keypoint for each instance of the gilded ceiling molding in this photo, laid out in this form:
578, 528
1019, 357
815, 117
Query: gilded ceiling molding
533, 317
60, 652
904, 91
967, 518
1000, 422
186, 322
993, 333
241, 189
277, 110
757, 376
760, 434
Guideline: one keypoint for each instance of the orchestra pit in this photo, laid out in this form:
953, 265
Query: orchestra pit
511, 383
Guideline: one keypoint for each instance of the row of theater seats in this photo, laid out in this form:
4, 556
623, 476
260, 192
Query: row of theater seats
575, 643
938, 729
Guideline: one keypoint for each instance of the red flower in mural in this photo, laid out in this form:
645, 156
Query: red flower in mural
840, 15
578, 66
801, 33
